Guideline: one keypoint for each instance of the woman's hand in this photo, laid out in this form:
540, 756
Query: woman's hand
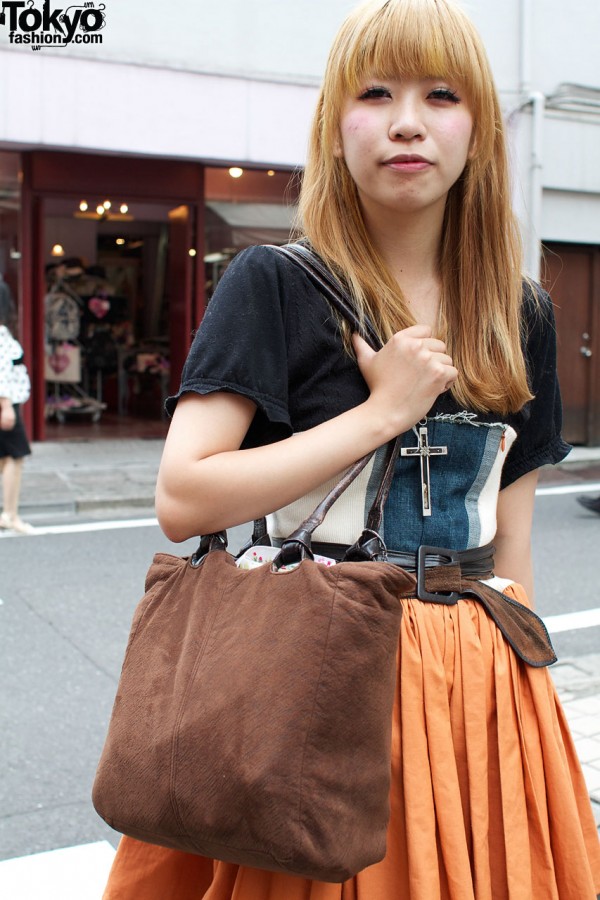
8, 417
407, 375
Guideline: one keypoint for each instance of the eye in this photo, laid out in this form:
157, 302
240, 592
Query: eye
444, 94
375, 93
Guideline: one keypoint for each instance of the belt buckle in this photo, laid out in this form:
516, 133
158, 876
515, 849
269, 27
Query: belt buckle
449, 558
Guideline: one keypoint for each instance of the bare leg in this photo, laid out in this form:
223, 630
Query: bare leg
11, 485
12, 470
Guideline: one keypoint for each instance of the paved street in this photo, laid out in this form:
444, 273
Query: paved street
68, 593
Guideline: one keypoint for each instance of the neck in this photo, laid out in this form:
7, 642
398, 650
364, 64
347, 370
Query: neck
410, 248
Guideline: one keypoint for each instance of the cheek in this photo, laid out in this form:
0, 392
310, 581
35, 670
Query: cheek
355, 121
458, 135
355, 128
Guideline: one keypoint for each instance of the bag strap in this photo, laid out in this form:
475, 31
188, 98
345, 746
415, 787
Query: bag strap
330, 286
298, 545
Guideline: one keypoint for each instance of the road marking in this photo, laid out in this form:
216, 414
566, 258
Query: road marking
72, 873
83, 527
115, 524
584, 618
586, 488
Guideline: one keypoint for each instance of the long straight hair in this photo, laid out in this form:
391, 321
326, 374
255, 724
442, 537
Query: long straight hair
480, 253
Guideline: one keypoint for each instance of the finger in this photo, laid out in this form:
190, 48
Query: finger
434, 344
444, 359
361, 348
451, 377
417, 331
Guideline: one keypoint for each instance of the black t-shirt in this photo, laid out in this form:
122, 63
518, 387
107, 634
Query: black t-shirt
269, 335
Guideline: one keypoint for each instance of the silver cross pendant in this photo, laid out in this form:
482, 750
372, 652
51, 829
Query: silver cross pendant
424, 451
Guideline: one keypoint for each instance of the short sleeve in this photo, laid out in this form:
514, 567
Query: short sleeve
539, 441
240, 346
10, 350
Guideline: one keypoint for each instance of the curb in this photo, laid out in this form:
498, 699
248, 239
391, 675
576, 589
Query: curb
87, 505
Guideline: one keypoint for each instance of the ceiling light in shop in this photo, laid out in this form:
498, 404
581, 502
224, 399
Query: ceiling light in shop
103, 211
192, 252
120, 241
58, 250
215, 257
236, 172
271, 172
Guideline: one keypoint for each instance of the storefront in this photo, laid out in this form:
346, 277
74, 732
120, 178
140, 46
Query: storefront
112, 260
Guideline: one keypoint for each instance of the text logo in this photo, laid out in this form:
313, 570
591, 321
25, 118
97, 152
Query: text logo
28, 24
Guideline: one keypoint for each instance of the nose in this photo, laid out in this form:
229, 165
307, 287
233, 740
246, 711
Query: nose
406, 123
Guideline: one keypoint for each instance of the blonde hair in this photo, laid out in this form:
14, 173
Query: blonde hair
480, 254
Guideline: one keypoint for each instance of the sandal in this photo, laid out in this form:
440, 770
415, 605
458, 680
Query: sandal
15, 523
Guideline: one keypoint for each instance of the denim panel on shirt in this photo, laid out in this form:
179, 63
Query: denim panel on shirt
464, 487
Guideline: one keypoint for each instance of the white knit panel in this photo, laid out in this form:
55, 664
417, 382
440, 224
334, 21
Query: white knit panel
343, 523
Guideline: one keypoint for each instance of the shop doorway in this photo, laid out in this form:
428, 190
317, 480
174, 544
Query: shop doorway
116, 278
129, 251
572, 277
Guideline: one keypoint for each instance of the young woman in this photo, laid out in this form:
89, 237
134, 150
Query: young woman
14, 446
406, 198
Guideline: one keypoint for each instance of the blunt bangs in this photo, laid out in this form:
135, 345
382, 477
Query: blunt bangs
409, 39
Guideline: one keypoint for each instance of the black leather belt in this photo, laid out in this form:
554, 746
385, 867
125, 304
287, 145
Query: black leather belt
477, 562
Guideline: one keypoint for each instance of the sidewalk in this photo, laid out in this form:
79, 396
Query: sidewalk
117, 478
73, 477
87, 477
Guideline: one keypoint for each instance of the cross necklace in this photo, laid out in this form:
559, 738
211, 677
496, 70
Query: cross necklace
424, 451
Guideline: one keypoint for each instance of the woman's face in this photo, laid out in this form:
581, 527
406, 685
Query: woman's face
405, 143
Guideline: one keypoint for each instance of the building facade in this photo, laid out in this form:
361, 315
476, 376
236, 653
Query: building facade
138, 158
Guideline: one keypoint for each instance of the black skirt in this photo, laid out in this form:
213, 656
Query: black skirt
14, 443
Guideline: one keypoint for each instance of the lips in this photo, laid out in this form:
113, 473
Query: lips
408, 162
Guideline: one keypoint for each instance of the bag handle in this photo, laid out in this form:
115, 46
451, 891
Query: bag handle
297, 546
369, 545
326, 282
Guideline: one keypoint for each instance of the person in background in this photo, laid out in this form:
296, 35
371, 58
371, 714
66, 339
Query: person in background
14, 390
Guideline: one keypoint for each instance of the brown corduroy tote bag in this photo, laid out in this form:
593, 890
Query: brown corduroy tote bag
252, 722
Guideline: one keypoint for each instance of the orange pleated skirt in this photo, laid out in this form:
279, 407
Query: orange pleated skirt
488, 801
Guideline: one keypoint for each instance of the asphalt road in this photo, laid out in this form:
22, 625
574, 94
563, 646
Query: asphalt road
67, 601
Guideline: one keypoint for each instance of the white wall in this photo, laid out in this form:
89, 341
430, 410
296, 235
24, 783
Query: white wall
53, 102
273, 39
572, 217
572, 160
564, 40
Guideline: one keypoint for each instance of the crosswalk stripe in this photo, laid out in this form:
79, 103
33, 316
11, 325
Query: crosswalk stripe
85, 527
71, 873
573, 621
152, 522
587, 487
